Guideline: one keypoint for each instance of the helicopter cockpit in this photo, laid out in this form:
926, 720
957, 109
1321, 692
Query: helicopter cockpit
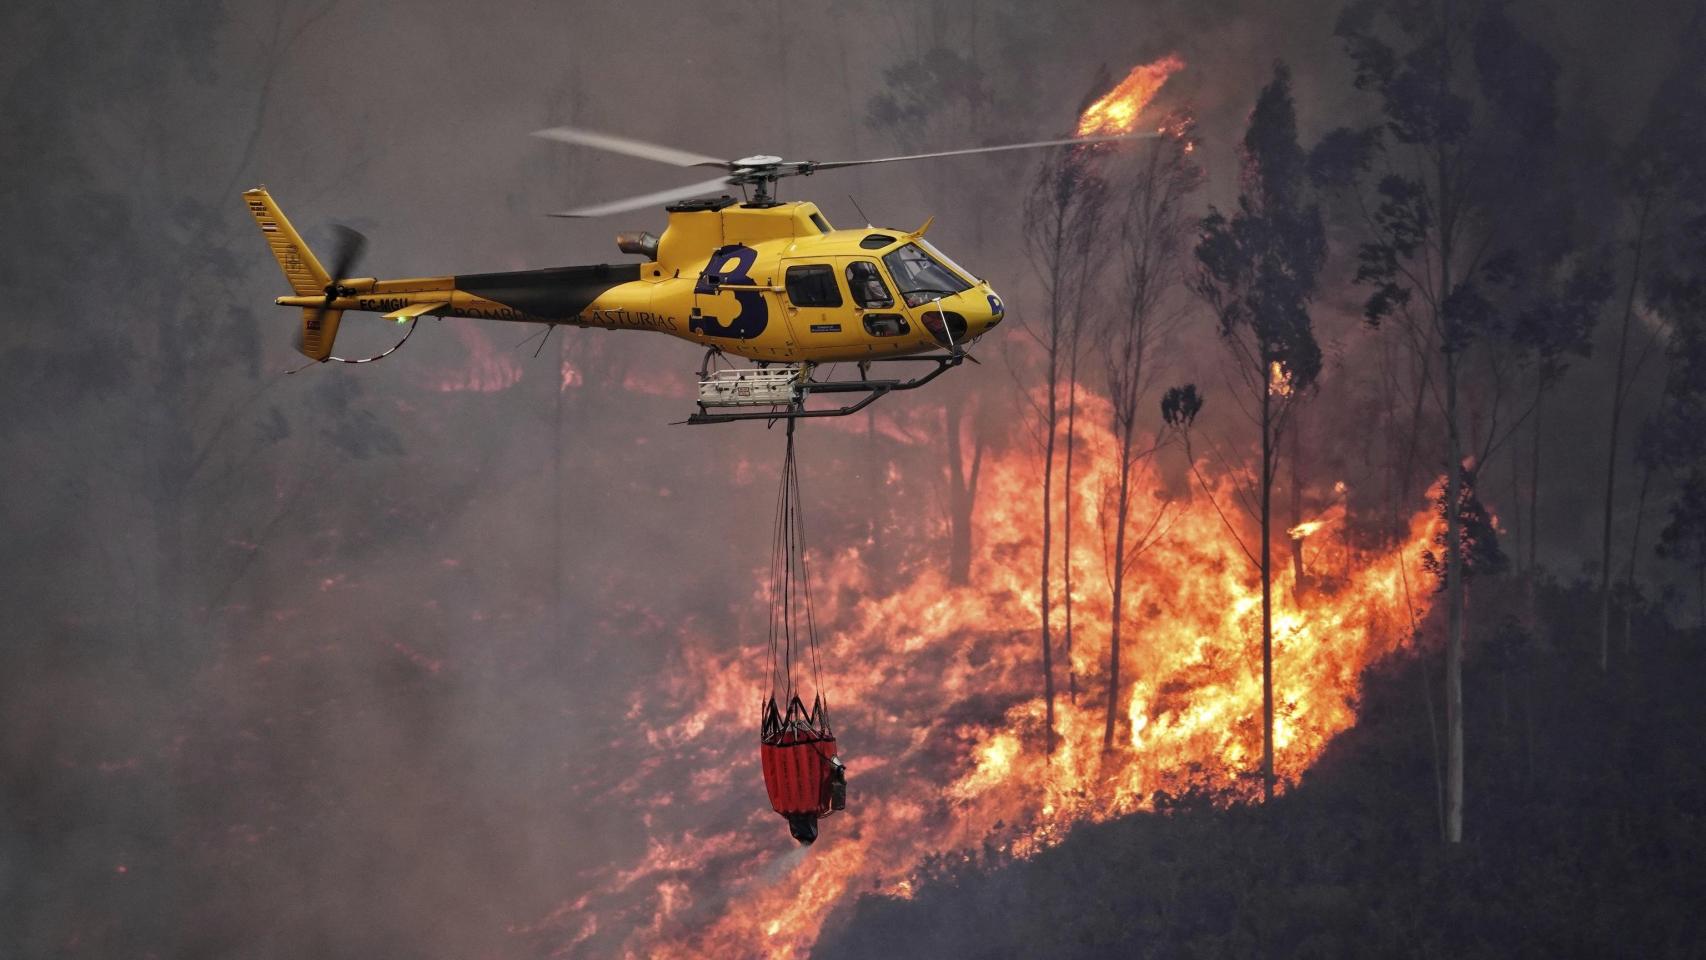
919, 271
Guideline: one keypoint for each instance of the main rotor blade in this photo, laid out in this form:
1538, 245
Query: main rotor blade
632, 148
648, 200
837, 164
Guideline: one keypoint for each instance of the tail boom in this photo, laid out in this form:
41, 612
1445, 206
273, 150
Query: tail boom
600, 295
560, 295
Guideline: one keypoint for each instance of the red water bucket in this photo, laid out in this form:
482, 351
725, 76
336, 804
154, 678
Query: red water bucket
802, 774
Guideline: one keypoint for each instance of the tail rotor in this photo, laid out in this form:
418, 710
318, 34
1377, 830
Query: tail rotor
320, 327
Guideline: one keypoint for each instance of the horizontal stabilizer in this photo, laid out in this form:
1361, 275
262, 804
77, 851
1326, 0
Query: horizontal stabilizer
414, 310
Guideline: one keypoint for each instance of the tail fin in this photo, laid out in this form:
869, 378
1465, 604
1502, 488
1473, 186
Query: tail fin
307, 278
301, 268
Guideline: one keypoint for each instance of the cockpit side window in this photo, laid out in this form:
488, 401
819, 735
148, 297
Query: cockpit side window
813, 285
869, 290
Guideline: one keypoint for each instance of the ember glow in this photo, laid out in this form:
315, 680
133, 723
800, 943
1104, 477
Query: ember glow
1118, 109
486, 370
1310, 527
936, 691
1305, 528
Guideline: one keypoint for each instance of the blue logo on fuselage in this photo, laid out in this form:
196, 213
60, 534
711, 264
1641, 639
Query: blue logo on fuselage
732, 266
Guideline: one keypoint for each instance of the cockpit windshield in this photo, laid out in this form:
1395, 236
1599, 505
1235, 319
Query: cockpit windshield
922, 277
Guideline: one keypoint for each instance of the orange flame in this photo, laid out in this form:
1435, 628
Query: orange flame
1334, 514
1117, 110
940, 716
1305, 528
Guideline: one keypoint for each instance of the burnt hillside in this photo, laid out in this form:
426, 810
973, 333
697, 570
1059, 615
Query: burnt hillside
1587, 837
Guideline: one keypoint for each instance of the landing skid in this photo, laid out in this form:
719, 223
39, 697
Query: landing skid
783, 391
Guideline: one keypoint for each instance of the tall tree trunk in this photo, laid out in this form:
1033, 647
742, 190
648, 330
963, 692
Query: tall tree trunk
1454, 587
1617, 396
1118, 611
1267, 596
1048, 516
1068, 493
1066, 517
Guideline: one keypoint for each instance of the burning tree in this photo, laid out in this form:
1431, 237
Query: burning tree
1064, 216
1152, 235
1116, 111
1477, 542
1258, 269
1063, 223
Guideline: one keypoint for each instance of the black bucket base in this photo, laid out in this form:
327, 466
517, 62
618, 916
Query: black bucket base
803, 826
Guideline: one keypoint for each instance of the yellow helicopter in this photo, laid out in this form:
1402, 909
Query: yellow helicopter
756, 278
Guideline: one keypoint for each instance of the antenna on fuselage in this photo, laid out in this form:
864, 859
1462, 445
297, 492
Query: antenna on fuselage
861, 210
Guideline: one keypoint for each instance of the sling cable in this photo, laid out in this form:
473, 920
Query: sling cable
805, 778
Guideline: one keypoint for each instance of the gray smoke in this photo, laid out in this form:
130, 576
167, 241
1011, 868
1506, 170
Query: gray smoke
337, 663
